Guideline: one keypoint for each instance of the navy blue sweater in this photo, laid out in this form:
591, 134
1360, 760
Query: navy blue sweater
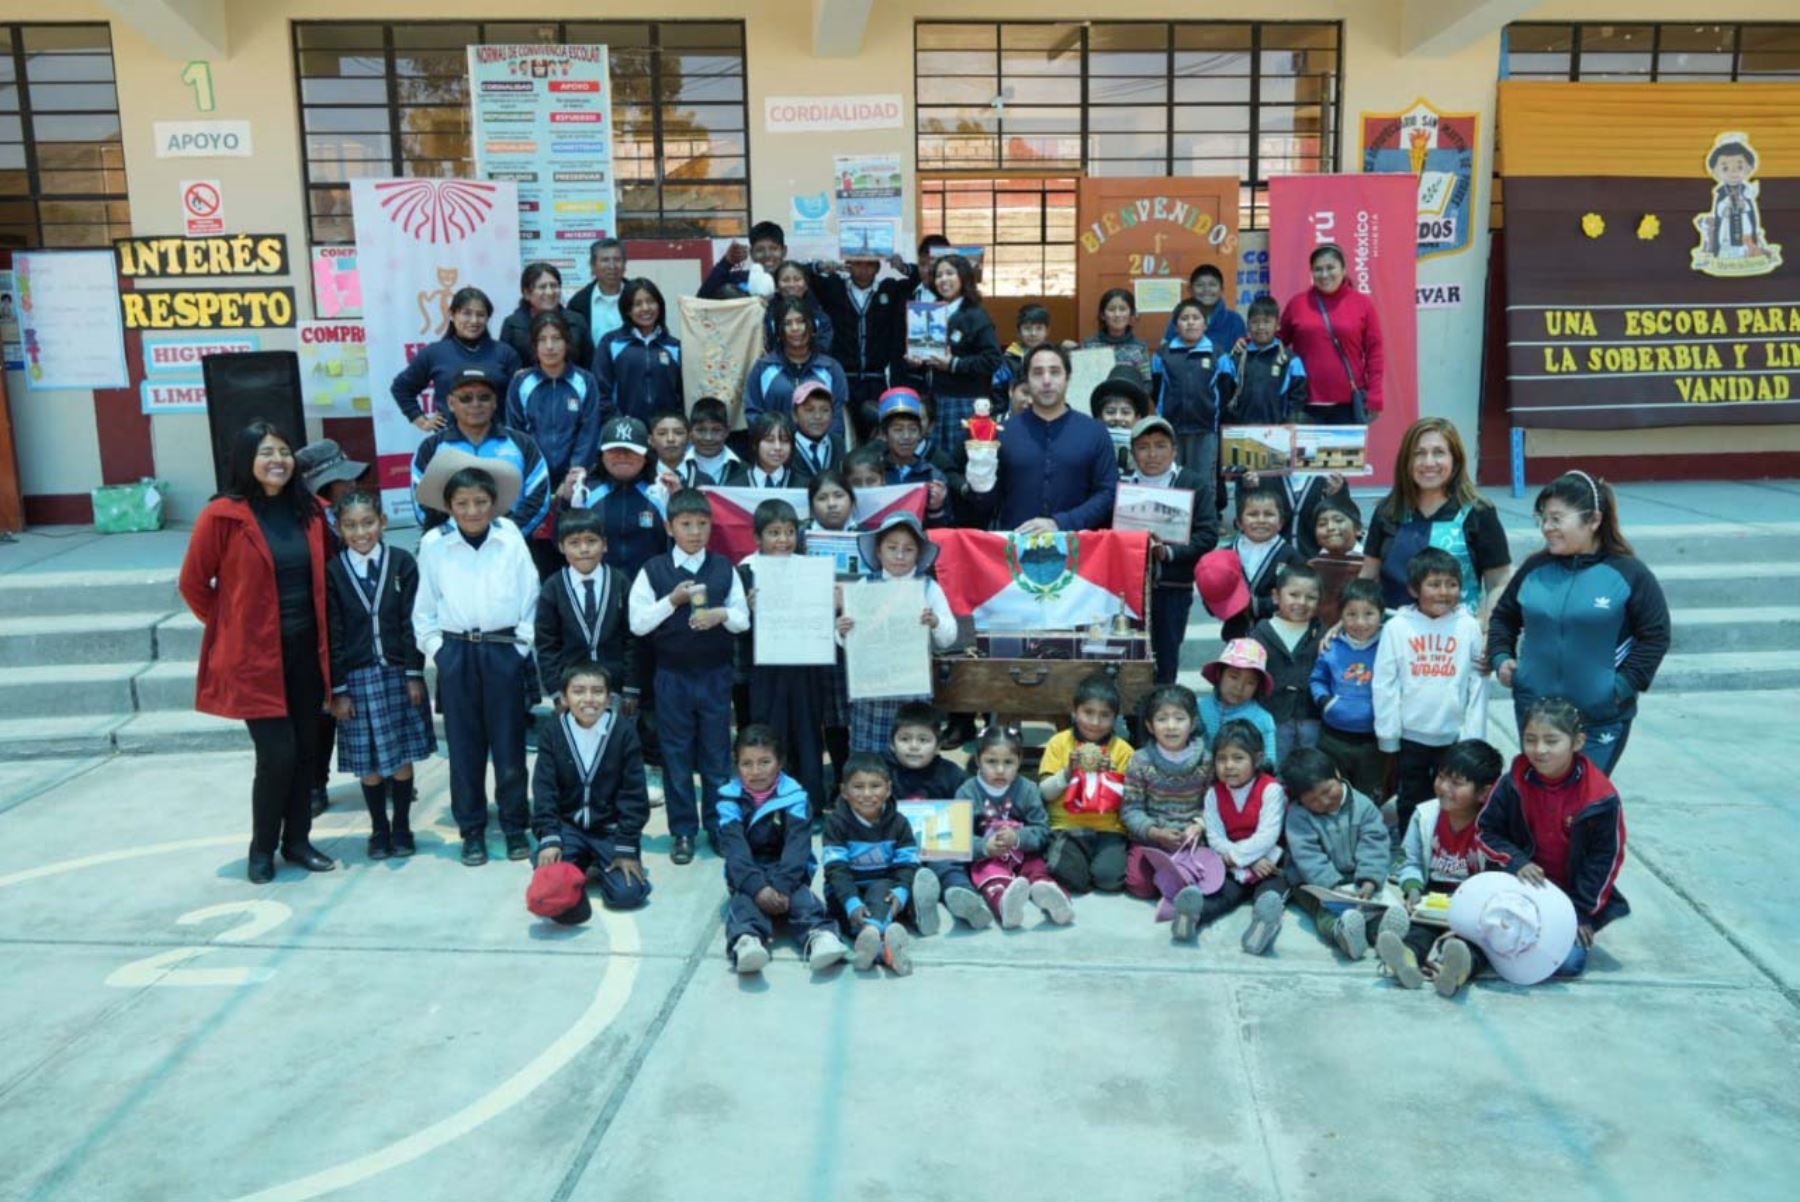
1065, 469
439, 363
563, 416
639, 377
1186, 385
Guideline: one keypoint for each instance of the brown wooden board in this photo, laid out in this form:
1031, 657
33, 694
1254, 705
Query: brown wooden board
1032, 688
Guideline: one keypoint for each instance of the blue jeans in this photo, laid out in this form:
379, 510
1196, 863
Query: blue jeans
694, 710
1295, 732
1575, 962
1605, 740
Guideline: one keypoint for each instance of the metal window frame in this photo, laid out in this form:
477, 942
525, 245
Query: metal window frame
394, 108
28, 126
1657, 29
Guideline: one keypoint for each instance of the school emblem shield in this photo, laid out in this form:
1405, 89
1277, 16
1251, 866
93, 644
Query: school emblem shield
1043, 564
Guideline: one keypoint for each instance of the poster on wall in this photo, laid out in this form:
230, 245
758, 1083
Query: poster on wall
867, 186
69, 327
334, 368
432, 237
1371, 218
10, 347
543, 121
1438, 150
337, 288
1656, 287
1147, 236
1252, 267
174, 380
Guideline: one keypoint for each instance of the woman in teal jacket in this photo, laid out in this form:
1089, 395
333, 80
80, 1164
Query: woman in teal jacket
1594, 623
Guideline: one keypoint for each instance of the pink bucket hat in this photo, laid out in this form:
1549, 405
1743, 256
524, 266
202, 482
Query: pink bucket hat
1220, 578
1241, 653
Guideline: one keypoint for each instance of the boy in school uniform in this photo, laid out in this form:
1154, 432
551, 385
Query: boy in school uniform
582, 616
817, 447
909, 457
474, 617
674, 451
589, 802
1153, 448
1267, 381
1262, 552
709, 425
688, 602
1034, 328
729, 278
870, 862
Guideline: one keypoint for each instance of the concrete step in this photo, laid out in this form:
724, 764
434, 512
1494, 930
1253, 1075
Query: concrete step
177, 731
88, 638
139, 590
178, 636
1727, 628
1661, 546
1710, 585
56, 690
66, 737
167, 685
1728, 670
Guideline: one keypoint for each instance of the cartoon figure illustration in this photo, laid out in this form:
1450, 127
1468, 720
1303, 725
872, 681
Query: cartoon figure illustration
434, 323
1732, 239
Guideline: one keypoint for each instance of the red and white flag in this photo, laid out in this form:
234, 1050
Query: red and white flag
873, 504
734, 511
1060, 581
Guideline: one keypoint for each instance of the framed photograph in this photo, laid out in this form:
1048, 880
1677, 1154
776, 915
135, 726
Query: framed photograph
927, 328
1164, 513
944, 830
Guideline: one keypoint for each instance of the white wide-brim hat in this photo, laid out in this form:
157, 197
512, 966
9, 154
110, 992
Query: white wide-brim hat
1526, 930
447, 461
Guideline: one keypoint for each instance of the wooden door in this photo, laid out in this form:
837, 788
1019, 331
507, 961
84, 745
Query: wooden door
1147, 236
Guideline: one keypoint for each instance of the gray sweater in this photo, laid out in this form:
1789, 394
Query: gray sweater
1021, 803
1338, 849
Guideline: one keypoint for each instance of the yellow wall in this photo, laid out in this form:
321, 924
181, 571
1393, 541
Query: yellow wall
254, 82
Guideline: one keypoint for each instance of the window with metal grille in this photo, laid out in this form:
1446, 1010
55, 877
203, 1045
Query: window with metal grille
393, 100
1645, 53
1026, 226
1152, 98
62, 162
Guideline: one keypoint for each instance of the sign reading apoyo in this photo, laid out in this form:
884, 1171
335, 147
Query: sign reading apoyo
203, 140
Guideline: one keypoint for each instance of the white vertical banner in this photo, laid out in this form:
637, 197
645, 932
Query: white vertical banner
417, 242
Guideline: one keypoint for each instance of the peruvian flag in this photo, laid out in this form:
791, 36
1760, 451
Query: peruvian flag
734, 511
1061, 581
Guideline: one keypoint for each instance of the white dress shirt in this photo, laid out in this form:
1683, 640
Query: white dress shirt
465, 589
648, 611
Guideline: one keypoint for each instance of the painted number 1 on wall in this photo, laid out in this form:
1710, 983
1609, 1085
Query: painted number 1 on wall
198, 76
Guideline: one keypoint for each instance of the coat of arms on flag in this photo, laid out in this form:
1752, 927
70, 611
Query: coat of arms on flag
1062, 581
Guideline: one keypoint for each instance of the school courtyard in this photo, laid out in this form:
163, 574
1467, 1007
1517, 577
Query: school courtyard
406, 1030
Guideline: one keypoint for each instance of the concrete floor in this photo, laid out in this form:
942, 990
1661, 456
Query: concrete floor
407, 1030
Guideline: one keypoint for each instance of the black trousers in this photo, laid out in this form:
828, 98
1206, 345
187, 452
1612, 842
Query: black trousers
1169, 610
1417, 779
479, 688
286, 748
327, 740
865, 392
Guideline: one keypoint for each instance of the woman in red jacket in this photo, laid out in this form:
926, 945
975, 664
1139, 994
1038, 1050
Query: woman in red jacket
255, 575
1336, 368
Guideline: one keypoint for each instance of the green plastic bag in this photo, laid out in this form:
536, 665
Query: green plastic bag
130, 508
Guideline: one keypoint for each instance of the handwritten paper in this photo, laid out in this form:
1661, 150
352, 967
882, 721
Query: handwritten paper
886, 653
796, 620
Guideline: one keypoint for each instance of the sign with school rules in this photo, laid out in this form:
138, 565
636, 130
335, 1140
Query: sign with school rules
68, 310
1147, 236
173, 369
1656, 287
543, 120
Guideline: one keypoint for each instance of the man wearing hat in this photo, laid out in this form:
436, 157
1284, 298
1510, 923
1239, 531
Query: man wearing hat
1153, 450
1056, 469
910, 458
474, 399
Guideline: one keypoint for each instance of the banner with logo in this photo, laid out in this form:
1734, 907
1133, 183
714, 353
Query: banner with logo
1438, 150
543, 120
423, 239
1372, 218
1655, 287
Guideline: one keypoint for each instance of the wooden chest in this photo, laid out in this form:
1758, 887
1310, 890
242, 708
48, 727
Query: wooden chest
1032, 688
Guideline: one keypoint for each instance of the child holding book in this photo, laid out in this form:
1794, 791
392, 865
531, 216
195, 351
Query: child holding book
1337, 840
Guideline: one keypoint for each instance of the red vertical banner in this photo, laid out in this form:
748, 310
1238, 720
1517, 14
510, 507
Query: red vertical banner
1374, 218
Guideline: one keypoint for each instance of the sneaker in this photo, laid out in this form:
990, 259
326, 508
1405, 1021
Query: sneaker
1187, 914
926, 891
1265, 923
1398, 959
518, 847
824, 950
1049, 897
1454, 966
896, 950
866, 948
968, 905
1012, 903
748, 955
1395, 921
474, 850
1351, 931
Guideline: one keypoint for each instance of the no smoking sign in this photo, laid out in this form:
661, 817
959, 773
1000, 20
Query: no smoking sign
202, 207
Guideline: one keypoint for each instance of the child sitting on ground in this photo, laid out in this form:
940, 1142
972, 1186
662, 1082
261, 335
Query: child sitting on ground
1443, 850
1245, 809
1238, 677
1337, 840
1343, 689
765, 836
1556, 817
921, 774
1011, 828
1290, 636
1164, 804
1083, 783
870, 861
1427, 691
588, 798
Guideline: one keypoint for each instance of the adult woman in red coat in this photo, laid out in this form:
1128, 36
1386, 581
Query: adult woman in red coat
255, 575
1337, 368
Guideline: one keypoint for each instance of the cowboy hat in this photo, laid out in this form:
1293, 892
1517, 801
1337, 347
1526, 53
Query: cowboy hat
447, 461
1526, 930
1123, 381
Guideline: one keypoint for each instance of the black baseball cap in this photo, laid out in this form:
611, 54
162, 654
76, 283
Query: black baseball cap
475, 375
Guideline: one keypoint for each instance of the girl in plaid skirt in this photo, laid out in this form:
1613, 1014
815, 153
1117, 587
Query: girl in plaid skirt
896, 550
379, 697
